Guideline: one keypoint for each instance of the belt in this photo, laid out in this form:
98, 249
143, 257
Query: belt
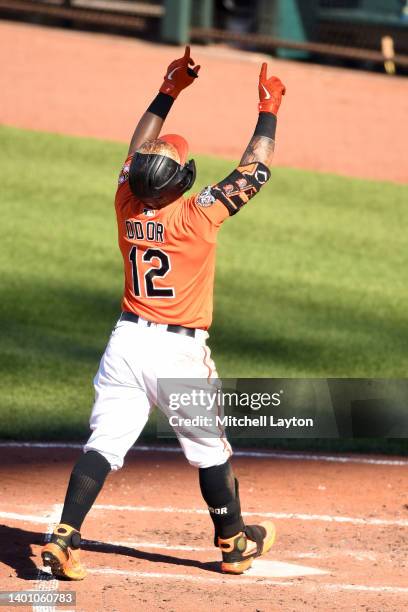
175, 329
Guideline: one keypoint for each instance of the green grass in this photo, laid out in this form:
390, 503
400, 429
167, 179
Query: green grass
311, 278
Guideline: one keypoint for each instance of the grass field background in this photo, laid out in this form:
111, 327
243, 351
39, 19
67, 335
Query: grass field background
311, 279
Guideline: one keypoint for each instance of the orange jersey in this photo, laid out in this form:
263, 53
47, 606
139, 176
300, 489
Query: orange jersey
169, 257
169, 253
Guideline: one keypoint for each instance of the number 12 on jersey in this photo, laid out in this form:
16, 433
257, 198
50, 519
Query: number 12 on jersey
165, 266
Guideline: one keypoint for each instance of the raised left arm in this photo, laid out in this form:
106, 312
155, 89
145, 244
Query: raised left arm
262, 144
179, 75
150, 125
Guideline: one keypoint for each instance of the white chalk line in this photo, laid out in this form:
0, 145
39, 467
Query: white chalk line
40, 520
28, 518
287, 455
257, 581
44, 583
358, 555
327, 518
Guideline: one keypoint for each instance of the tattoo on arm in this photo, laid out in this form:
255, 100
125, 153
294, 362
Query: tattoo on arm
260, 149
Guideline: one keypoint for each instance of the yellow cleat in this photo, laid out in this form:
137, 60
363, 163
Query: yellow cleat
239, 551
61, 554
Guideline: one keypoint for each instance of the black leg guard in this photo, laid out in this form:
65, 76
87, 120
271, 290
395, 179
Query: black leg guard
86, 481
219, 489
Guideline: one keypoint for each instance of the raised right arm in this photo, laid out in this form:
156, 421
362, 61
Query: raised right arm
262, 144
253, 170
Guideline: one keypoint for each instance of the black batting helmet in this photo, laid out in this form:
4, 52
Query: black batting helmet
158, 173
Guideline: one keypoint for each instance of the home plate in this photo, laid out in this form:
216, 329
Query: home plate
277, 569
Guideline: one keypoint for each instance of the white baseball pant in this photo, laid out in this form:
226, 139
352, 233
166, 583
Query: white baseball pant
137, 355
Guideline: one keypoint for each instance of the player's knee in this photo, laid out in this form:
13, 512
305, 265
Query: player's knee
216, 456
114, 461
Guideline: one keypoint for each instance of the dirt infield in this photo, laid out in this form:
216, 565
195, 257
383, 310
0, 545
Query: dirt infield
342, 522
341, 545
336, 120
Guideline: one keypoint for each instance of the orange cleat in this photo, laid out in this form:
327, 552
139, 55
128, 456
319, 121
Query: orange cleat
239, 551
61, 554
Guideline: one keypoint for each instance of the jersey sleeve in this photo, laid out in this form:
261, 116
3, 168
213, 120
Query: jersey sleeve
124, 173
226, 198
123, 192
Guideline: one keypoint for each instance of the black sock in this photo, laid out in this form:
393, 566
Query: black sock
220, 491
86, 481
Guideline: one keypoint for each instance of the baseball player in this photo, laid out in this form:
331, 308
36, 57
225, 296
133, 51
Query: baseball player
168, 246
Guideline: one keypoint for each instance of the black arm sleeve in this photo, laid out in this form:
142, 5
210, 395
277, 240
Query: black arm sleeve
266, 125
240, 186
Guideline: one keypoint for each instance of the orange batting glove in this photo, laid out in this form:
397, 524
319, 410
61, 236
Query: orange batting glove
270, 92
179, 75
